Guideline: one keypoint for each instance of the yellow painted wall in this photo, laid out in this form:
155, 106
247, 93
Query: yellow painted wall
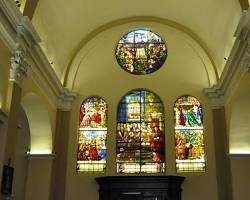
240, 177
4, 75
39, 177
184, 72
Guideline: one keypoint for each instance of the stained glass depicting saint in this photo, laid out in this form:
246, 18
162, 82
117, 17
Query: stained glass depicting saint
189, 135
141, 52
140, 133
91, 155
93, 113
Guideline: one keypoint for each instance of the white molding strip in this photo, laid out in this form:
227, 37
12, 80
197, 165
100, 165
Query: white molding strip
237, 65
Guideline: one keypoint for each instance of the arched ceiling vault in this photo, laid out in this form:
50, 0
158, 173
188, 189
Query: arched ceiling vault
109, 25
65, 26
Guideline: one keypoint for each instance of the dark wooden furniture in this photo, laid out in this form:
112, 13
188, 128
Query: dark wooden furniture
140, 187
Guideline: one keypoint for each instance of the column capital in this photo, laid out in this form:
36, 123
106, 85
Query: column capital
18, 66
65, 99
216, 96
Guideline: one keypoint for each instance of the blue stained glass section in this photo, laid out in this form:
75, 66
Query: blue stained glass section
122, 112
140, 133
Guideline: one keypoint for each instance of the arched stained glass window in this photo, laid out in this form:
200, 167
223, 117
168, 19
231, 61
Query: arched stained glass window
140, 133
189, 135
141, 52
91, 155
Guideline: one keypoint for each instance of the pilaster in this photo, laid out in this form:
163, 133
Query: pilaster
3, 133
18, 71
59, 172
237, 65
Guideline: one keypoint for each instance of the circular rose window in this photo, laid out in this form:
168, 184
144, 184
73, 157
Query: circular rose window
141, 52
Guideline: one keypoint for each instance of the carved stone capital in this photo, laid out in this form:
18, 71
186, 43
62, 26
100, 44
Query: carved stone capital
216, 96
66, 99
18, 66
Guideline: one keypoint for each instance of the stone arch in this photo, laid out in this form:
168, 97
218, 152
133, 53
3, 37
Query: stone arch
180, 32
39, 123
239, 126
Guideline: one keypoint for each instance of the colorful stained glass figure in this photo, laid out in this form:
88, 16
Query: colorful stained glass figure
140, 133
91, 155
189, 135
141, 52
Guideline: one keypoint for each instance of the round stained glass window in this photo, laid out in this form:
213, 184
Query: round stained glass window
141, 52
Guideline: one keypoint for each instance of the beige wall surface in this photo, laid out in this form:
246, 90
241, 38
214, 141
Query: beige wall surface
38, 181
184, 72
240, 177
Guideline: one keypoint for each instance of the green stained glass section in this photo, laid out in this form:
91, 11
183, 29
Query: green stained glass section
140, 133
141, 52
92, 133
189, 135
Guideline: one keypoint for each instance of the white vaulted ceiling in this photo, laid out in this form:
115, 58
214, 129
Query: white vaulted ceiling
64, 26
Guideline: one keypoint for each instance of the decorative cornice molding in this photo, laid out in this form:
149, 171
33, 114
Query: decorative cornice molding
10, 19
237, 65
18, 33
18, 66
66, 99
216, 95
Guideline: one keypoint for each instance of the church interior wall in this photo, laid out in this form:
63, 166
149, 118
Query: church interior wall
99, 74
94, 71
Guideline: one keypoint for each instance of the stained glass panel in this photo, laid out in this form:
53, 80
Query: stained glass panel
91, 155
141, 52
189, 135
140, 133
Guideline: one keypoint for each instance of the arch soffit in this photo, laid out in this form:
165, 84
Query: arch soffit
71, 70
238, 118
39, 123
